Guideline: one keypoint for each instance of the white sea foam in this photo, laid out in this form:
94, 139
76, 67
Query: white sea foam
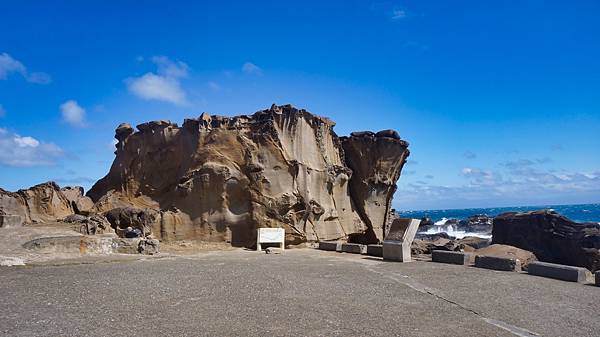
441, 227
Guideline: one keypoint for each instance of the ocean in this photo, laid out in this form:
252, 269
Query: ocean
579, 213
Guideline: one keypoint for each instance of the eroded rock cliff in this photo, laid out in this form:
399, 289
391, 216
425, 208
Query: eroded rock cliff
220, 178
40, 203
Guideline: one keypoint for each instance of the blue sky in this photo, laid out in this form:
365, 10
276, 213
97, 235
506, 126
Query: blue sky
500, 101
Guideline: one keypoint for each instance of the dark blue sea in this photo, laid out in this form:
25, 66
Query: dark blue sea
580, 213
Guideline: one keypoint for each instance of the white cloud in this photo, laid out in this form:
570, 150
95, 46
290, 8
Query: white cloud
10, 65
19, 151
26, 141
164, 85
398, 14
520, 183
72, 113
169, 68
251, 68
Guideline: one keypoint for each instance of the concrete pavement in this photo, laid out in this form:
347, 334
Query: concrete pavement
302, 292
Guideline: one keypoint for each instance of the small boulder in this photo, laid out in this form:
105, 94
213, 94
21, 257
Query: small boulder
506, 251
141, 219
475, 242
149, 247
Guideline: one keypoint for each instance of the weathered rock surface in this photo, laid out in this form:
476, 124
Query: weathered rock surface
89, 225
80, 203
40, 203
121, 219
505, 251
551, 237
219, 178
376, 162
475, 242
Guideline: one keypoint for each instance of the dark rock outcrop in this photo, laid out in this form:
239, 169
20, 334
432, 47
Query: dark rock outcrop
125, 219
551, 237
219, 178
479, 223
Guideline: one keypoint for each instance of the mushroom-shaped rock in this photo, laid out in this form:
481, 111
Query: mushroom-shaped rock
362, 134
123, 131
388, 133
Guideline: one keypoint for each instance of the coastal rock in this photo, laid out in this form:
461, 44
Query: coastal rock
220, 178
506, 251
425, 225
40, 203
551, 237
479, 223
420, 246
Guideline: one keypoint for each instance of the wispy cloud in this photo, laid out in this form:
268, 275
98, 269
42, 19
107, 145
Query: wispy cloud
2, 111
9, 65
398, 14
72, 113
25, 151
520, 181
164, 85
251, 68
214, 86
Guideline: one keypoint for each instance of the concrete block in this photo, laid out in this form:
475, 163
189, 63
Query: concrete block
443, 256
396, 251
330, 246
598, 278
354, 248
375, 250
403, 230
557, 271
497, 263
10, 221
396, 246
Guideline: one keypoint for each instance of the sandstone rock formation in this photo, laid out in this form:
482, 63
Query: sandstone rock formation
40, 203
551, 237
80, 203
376, 161
219, 178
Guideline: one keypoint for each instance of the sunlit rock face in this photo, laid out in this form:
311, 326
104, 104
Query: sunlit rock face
219, 178
38, 204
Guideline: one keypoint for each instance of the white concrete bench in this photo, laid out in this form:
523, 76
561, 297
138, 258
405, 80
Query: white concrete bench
270, 235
